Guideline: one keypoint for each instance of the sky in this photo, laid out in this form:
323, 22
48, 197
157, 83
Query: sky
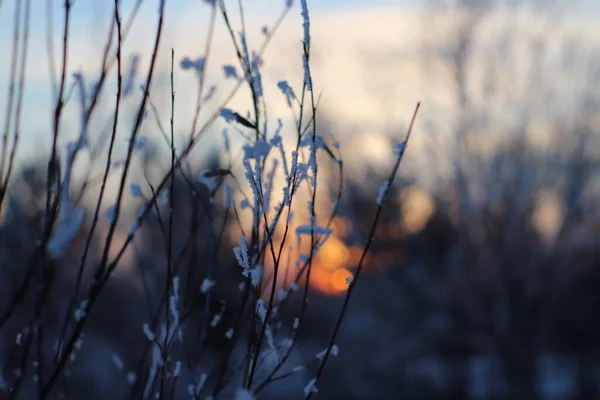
89, 22
362, 58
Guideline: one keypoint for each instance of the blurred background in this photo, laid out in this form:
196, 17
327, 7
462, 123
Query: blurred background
483, 282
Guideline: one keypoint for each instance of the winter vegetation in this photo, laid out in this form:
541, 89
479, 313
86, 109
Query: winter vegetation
199, 220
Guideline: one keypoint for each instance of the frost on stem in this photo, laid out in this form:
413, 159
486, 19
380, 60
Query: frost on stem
83, 139
241, 254
399, 148
135, 190
131, 75
306, 28
194, 390
307, 77
140, 143
177, 370
110, 213
174, 308
287, 90
282, 294
71, 217
156, 362
118, 362
259, 151
311, 387
163, 198
66, 230
230, 72
244, 394
316, 230
197, 64
216, 319
226, 141
261, 311
206, 285
256, 75
250, 177
211, 92
81, 312
148, 332
245, 56
334, 352
228, 115
244, 204
256, 275
382, 191
131, 377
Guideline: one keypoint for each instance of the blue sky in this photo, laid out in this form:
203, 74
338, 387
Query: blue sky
89, 21
91, 17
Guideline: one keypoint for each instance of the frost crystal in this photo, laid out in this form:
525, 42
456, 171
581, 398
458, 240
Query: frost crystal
163, 198
66, 230
260, 309
215, 320
207, 284
282, 294
230, 71
382, 191
228, 115
399, 148
174, 308
257, 79
226, 142
177, 371
241, 254
135, 190
131, 75
197, 64
243, 394
149, 335
334, 352
256, 275
111, 213
81, 311
118, 362
140, 144
211, 92
287, 90
195, 390
311, 387
306, 22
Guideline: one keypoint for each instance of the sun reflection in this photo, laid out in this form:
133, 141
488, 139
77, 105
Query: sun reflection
336, 259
